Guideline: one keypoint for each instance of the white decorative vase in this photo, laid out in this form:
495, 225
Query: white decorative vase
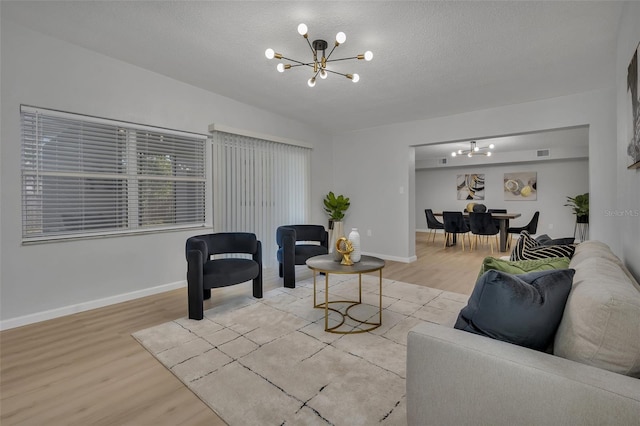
354, 237
336, 234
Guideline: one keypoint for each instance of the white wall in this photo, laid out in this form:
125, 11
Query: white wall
48, 280
436, 189
381, 156
627, 206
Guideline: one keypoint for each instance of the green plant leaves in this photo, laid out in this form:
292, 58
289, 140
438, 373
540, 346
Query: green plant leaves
336, 206
579, 204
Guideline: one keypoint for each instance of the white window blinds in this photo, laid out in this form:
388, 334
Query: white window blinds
258, 186
86, 175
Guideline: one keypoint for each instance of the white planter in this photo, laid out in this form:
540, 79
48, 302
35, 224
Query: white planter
336, 234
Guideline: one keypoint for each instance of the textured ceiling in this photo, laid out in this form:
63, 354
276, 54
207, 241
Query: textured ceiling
430, 58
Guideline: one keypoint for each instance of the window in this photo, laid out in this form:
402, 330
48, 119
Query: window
90, 176
258, 186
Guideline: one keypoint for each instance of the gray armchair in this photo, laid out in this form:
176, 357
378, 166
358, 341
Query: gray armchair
205, 273
290, 253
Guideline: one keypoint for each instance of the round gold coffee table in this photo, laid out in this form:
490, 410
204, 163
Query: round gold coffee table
325, 264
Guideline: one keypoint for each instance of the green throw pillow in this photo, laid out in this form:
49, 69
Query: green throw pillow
523, 266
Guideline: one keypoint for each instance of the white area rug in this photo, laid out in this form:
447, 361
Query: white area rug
269, 361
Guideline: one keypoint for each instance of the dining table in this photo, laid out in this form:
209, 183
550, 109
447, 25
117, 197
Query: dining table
503, 221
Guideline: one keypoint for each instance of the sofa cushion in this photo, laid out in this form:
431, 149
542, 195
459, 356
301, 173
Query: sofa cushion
523, 266
601, 322
527, 248
593, 248
521, 309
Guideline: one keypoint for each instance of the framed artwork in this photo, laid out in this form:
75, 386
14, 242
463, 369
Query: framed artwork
521, 186
633, 118
470, 187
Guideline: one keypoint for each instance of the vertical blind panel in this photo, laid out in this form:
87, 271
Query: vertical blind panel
84, 175
258, 186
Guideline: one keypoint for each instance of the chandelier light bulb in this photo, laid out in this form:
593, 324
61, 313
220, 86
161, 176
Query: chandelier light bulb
469, 155
323, 74
269, 53
489, 154
341, 37
280, 67
453, 154
491, 146
312, 82
355, 78
368, 55
302, 29
459, 151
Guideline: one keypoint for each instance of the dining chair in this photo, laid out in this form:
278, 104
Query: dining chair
454, 224
433, 224
482, 224
531, 228
497, 221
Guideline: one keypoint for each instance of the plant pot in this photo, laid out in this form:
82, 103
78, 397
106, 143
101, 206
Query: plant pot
582, 219
336, 233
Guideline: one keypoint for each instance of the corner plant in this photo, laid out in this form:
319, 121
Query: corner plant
336, 206
579, 204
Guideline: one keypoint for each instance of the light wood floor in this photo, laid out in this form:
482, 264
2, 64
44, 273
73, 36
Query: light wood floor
86, 369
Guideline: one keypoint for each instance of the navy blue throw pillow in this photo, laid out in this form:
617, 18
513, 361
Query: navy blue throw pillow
546, 240
521, 309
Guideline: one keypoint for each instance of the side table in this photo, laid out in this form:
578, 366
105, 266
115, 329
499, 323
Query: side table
325, 264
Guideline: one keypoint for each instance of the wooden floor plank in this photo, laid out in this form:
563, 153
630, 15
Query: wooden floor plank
87, 369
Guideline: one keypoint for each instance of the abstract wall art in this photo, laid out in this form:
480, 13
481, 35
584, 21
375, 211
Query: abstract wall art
470, 187
521, 186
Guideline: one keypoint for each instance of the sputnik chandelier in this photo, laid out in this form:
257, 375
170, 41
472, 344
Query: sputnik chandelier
474, 150
319, 64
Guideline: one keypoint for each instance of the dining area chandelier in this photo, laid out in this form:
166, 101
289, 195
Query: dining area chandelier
319, 58
474, 150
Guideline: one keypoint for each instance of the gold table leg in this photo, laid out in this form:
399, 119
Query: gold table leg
326, 301
380, 297
346, 314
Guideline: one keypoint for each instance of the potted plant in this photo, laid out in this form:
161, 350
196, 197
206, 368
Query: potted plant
335, 207
580, 206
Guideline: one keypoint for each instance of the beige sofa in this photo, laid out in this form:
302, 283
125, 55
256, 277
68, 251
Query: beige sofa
459, 378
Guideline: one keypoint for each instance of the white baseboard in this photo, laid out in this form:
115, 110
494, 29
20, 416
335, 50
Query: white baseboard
87, 306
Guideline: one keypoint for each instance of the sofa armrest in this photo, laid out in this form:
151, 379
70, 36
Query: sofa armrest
459, 378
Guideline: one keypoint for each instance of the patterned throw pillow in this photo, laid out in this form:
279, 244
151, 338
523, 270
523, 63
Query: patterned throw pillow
527, 248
